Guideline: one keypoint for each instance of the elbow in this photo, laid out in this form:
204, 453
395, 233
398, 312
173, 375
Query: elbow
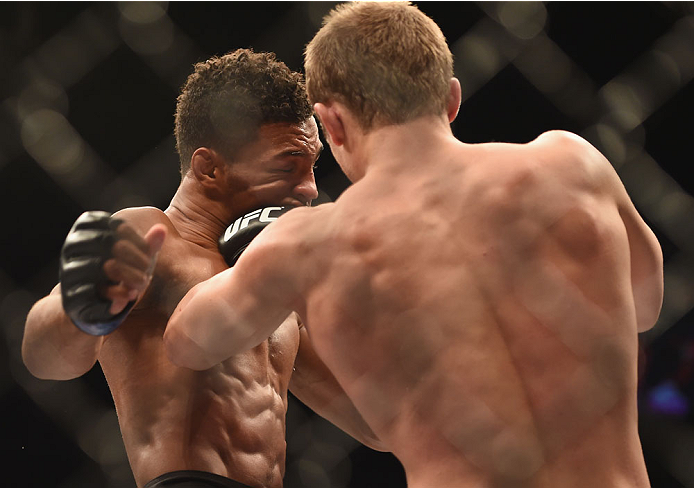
52, 347
42, 369
34, 366
46, 374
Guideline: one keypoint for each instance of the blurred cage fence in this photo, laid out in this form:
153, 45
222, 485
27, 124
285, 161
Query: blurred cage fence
87, 94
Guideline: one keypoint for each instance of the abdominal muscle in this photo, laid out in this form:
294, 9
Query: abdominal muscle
228, 420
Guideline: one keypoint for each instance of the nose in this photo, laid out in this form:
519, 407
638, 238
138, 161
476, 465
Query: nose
306, 190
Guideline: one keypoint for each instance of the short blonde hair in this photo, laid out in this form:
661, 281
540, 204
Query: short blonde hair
386, 61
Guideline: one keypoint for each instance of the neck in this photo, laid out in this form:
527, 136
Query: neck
418, 140
197, 218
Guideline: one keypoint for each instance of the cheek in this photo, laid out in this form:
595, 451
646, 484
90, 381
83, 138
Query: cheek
236, 185
273, 190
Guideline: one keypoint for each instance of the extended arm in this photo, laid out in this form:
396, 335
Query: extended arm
234, 310
217, 319
239, 308
103, 270
317, 388
645, 253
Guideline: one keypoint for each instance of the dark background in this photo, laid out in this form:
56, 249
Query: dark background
87, 96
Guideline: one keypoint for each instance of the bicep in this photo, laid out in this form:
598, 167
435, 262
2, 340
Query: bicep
646, 267
646, 257
264, 276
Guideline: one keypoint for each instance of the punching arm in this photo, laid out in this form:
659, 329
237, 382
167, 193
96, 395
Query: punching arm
238, 308
104, 267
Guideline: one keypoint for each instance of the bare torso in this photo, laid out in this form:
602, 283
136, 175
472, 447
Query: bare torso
483, 322
229, 420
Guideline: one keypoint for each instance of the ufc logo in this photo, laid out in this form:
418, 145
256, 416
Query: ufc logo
262, 215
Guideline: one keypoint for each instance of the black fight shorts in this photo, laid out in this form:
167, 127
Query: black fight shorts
193, 479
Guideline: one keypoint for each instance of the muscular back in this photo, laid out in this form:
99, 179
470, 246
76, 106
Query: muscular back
228, 420
480, 312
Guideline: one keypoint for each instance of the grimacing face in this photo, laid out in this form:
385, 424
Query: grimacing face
276, 168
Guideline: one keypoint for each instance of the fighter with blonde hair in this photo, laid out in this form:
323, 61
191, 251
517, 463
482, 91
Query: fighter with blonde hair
479, 303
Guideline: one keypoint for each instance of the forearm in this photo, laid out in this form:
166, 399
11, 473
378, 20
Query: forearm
205, 329
338, 410
315, 385
52, 347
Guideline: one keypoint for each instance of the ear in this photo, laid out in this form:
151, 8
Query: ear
332, 123
454, 98
205, 164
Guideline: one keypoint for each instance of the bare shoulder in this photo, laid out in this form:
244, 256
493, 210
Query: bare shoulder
151, 215
553, 165
547, 177
562, 140
142, 218
575, 160
560, 137
565, 147
300, 225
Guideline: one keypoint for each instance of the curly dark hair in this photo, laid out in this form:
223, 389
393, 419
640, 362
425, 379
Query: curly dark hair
226, 99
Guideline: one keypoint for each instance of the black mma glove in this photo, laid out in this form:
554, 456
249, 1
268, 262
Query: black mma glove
87, 246
243, 230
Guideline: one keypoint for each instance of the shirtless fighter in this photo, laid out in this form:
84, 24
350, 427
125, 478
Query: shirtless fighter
246, 138
478, 303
